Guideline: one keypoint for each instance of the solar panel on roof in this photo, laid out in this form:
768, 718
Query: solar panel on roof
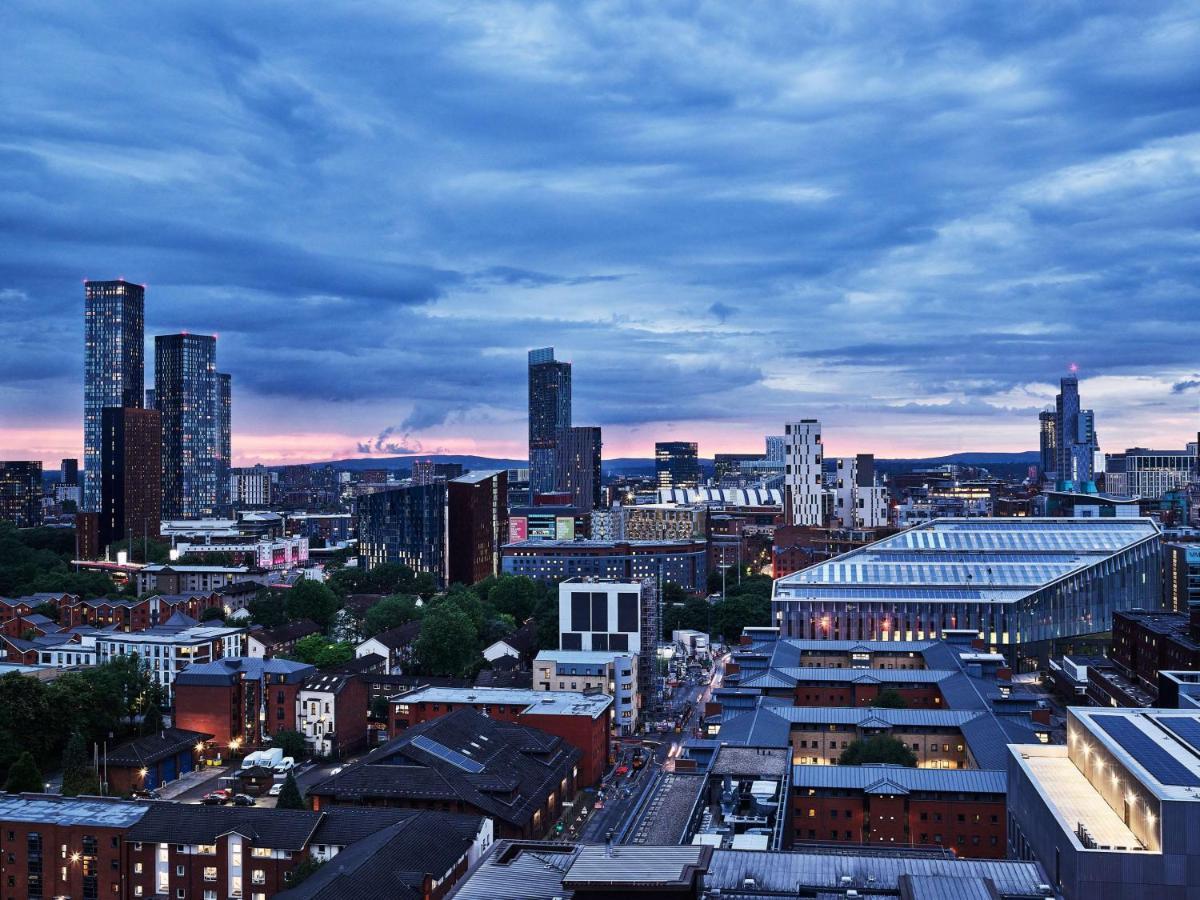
1149, 754
441, 751
1184, 728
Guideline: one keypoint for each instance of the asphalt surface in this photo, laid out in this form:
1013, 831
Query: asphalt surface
307, 774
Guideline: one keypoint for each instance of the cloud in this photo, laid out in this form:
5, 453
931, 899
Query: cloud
906, 223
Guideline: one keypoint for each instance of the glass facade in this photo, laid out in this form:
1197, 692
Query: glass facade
114, 365
554, 561
1017, 582
549, 414
406, 525
185, 387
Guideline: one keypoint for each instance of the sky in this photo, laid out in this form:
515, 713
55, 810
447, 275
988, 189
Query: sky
904, 219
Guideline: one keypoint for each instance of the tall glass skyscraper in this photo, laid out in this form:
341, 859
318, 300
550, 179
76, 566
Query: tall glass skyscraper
676, 464
224, 441
114, 333
577, 465
549, 414
185, 388
1076, 437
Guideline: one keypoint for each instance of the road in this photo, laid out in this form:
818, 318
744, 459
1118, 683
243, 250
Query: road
307, 774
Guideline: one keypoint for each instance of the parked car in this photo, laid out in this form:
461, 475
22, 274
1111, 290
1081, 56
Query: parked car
145, 795
243, 800
216, 798
276, 789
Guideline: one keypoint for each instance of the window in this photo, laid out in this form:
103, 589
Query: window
137, 868
261, 852
258, 876
137, 890
210, 873
210, 895
179, 871
207, 849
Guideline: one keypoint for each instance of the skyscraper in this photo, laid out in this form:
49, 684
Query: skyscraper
476, 525
577, 465
802, 479
1048, 443
676, 464
224, 387
131, 474
113, 367
21, 493
151, 403
70, 471
1075, 434
549, 414
185, 378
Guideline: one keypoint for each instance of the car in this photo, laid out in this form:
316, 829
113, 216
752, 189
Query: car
276, 790
336, 769
243, 800
216, 798
622, 770
145, 795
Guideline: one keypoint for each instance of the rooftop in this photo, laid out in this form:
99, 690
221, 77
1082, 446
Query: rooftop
1161, 747
900, 779
582, 657
552, 703
100, 812
950, 559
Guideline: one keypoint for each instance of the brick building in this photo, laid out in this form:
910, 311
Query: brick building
240, 701
266, 643
1146, 643
897, 806
137, 615
147, 763
331, 713
582, 720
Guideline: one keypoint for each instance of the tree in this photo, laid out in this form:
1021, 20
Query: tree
290, 796
79, 777
312, 600
334, 655
308, 648
24, 776
267, 609
889, 698
673, 593
304, 869
514, 595
152, 718
49, 610
881, 748
379, 708
447, 645
213, 612
390, 612
291, 742
140, 550
26, 722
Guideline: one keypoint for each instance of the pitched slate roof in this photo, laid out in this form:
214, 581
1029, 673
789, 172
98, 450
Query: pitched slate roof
967, 781
230, 668
501, 768
391, 863
284, 633
178, 823
400, 636
147, 750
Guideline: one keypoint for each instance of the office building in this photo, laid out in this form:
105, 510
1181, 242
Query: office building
168, 649
1145, 643
114, 367
70, 471
185, 383
151, 399
577, 465
612, 673
683, 562
663, 522
1075, 438
130, 474
1025, 586
728, 466
1048, 444
477, 524
1148, 474
21, 493
677, 464
1115, 812
609, 615
250, 487
803, 483
1181, 576
405, 525
224, 389
549, 415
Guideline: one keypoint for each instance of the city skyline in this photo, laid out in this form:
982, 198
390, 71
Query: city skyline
908, 233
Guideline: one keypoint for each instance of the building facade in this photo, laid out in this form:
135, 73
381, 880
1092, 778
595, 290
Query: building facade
549, 415
186, 389
611, 673
683, 562
577, 465
405, 525
224, 447
130, 474
1075, 437
803, 482
21, 493
677, 464
250, 487
1149, 474
477, 524
114, 366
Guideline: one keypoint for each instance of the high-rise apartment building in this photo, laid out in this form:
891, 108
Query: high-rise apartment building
405, 525
549, 415
151, 402
1148, 474
1075, 434
857, 501
21, 493
676, 464
577, 465
114, 368
476, 525
185, 384
130, 474
1048, 444
802, 480
224, 388
776, 448
70, 471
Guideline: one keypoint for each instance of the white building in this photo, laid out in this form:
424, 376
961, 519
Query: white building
802, 481
857, 501
613, 674
167, 650
267, 553
250, 487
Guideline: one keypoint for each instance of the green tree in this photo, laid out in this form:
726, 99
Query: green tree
514, 595
889, 698
312, 600
267, 609
390, 612
79, 777
466, 600
304, 869
334, 655
24, 776
290, 796
212, 613
308, 648
49, 610
447, 645
673, 593
379, 708
880, 748
498, 625
140, 550
291, 742
26, 720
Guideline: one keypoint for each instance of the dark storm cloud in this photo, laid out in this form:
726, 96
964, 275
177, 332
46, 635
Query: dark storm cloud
716, 214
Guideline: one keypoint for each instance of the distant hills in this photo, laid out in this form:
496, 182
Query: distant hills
995, 461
